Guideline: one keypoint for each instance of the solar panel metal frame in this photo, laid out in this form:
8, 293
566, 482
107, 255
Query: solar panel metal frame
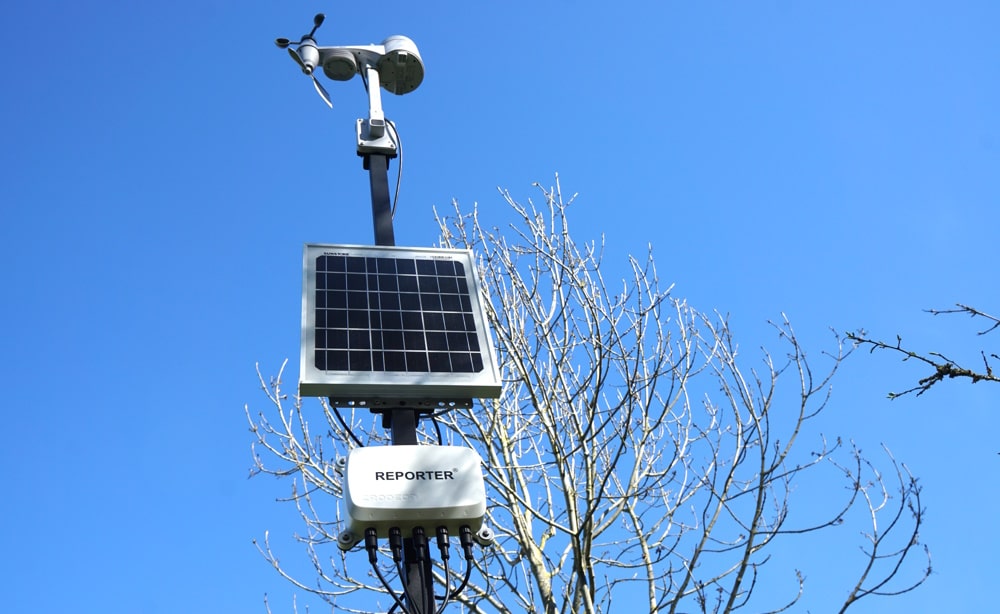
393, 388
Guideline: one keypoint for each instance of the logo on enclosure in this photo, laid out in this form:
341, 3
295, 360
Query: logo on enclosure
392, 476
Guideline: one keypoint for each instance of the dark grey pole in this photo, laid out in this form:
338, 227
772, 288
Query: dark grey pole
377, 166
418, 580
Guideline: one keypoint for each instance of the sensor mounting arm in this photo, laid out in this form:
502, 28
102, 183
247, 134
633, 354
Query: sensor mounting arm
372, 137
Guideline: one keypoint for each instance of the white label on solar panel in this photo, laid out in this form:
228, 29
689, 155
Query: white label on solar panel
393, 323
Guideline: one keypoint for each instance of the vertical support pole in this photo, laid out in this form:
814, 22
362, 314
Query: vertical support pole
377, 166
418, 580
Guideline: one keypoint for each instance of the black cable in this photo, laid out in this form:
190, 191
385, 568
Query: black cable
465, 580
420, 556
399, 171
419, 544
343, 423
437, 427
371, 545
445, 410
396, 546
442, 544
465, 538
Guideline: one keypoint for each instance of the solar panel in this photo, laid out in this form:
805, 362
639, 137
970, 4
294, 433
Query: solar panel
385, 326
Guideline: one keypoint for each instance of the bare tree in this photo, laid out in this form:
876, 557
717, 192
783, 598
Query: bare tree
941, 366
634, 450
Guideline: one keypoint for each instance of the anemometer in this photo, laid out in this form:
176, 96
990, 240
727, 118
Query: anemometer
400, 331
394, 65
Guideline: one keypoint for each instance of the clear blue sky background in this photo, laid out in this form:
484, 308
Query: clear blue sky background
163, 164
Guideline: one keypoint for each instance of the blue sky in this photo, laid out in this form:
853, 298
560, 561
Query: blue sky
163, 165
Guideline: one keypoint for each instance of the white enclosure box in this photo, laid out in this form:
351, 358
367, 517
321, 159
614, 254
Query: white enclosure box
413, 486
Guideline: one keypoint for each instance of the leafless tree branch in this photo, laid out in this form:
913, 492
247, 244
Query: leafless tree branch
635, 449
941, 366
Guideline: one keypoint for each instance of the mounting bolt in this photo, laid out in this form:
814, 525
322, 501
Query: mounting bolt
347, 540
484, 536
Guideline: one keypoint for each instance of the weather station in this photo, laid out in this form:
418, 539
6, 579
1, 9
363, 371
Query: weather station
402, 332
